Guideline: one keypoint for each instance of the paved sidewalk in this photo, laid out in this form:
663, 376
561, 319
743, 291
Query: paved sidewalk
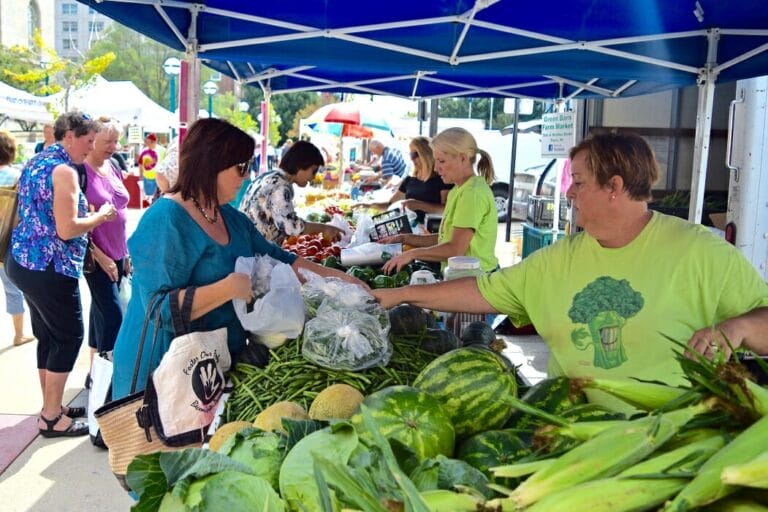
39, 474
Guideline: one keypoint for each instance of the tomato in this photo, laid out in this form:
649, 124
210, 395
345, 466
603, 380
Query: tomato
310, 250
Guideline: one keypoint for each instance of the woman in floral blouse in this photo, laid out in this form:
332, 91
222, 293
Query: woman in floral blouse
268, 202
47, 252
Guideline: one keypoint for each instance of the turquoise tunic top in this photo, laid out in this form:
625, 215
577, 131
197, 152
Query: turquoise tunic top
170, 250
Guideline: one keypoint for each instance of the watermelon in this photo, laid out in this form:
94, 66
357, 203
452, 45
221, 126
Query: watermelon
472, 384
478, 333
412, 417
553, 395
492, 448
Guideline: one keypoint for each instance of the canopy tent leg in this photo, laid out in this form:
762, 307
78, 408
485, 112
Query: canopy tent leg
512, 162
703, 128
264, 130
189, 93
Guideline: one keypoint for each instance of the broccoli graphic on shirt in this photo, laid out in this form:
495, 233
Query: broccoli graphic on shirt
604, 305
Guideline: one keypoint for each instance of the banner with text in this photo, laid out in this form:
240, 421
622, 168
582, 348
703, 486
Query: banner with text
558, 134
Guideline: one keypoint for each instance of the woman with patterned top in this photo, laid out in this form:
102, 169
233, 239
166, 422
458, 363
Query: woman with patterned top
46, 261
268, 202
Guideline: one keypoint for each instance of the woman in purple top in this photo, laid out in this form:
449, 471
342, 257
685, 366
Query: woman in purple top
104, 185
47, 251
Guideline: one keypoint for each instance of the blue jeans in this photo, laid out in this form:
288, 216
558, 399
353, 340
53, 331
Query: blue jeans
106, 315
14, 299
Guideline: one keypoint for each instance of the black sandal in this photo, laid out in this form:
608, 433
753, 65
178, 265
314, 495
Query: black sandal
73, 412
76, 428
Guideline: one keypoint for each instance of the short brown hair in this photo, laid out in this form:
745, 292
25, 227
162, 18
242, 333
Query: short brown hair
621, 154
80, 123
7, 148
210, 146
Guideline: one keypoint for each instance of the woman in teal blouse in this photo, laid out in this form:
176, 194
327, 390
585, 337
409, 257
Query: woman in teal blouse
192, 237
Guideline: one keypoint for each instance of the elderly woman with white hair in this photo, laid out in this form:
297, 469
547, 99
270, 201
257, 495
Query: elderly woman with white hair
108, 241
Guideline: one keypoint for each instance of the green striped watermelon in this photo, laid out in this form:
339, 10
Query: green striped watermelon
412, 417
492, 448
471, 383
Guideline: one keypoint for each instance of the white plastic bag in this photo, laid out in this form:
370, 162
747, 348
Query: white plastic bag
101, 383
340, 222
363, 231
124, 292
278, 311
371, 253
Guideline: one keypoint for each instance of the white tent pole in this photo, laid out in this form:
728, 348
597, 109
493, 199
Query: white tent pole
559, 107
189, 85
703, 128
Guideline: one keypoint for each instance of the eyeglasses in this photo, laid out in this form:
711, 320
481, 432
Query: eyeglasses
414, 155
243, 168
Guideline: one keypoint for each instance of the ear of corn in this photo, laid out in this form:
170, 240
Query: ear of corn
439, 500
707, 486
737, 504
643, 395
630, 491
750, 474
606, 454
580, 430
521, 469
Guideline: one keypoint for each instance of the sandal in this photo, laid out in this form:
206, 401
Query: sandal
76, 428
73, 412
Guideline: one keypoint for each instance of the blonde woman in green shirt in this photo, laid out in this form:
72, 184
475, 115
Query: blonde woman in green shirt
470, 221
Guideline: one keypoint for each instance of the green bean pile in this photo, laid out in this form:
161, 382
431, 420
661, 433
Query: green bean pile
290, 377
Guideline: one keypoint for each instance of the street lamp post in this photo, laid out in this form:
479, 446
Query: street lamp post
172, 68
210, 88
45, 63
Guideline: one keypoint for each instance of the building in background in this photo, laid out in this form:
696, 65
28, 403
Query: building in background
20, 18
77, 28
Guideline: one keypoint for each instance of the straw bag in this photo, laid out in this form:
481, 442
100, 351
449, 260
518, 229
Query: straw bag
9, 200
132, 425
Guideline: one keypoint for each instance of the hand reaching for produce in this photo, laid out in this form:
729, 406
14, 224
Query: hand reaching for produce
240, 285
713, 341
388, 297
394, 239
396, 263
333, 233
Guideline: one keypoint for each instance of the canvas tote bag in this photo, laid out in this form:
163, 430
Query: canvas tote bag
9, 200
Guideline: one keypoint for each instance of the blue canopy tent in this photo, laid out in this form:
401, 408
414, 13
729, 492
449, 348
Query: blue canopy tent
503, 48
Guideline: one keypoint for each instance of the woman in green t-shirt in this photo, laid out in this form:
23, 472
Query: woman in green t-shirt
470, 220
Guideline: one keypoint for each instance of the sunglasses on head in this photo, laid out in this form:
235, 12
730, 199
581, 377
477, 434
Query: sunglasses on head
243, 168
414, 155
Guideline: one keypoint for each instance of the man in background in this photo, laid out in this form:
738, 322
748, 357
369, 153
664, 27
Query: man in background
148, 159
391, 163
47, 138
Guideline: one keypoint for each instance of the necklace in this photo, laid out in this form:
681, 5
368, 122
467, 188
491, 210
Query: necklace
212, 220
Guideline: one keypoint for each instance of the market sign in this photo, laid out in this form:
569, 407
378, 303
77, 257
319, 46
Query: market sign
558, 134
134, 135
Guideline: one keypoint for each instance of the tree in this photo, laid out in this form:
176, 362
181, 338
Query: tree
287, 106
138, 60
40, 70
227, 107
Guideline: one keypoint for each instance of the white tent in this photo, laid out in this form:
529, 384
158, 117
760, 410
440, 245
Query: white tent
122, 101
23, 106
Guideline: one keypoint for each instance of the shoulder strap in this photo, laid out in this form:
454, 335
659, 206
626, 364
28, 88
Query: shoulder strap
181, 316
153, 310
82, 176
